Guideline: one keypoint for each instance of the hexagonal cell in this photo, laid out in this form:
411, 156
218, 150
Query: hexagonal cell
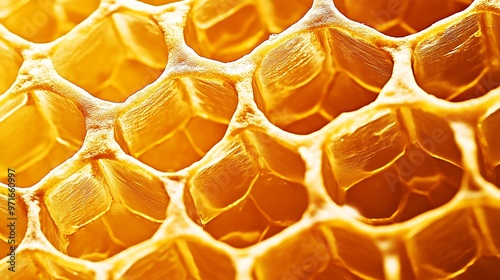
394, 167
182, 259
9, 68
13, 213
42, 21
249, 191
487, 268
227, 30
399, 17
113, 58
89, 215
38, 131
437, 251
310, 78
358, 252
488, 132
461, 62
180, 120
303, 256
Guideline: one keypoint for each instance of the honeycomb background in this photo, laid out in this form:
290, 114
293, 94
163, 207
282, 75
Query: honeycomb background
251, 139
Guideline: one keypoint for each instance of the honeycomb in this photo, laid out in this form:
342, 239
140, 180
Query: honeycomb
250, 139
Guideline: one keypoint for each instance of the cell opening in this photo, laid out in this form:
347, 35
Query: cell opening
183, 258
461, 62
42, 21
48, 129
115, 57
397, 166
303, 256
227, 30
399, 18
251, 192
89, 215
309, 79
178, 123
435, 250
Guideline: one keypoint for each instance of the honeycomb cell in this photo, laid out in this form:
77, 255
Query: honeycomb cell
167, 262
42, 21
488, 131
113, 58
103, 201
227, 30
302, 257
9, 68
178, 123
400, 17
182, 259
38, 131
411, 166
468, 45
311, 78
251, 190
437, 251
13, 214
358, 252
